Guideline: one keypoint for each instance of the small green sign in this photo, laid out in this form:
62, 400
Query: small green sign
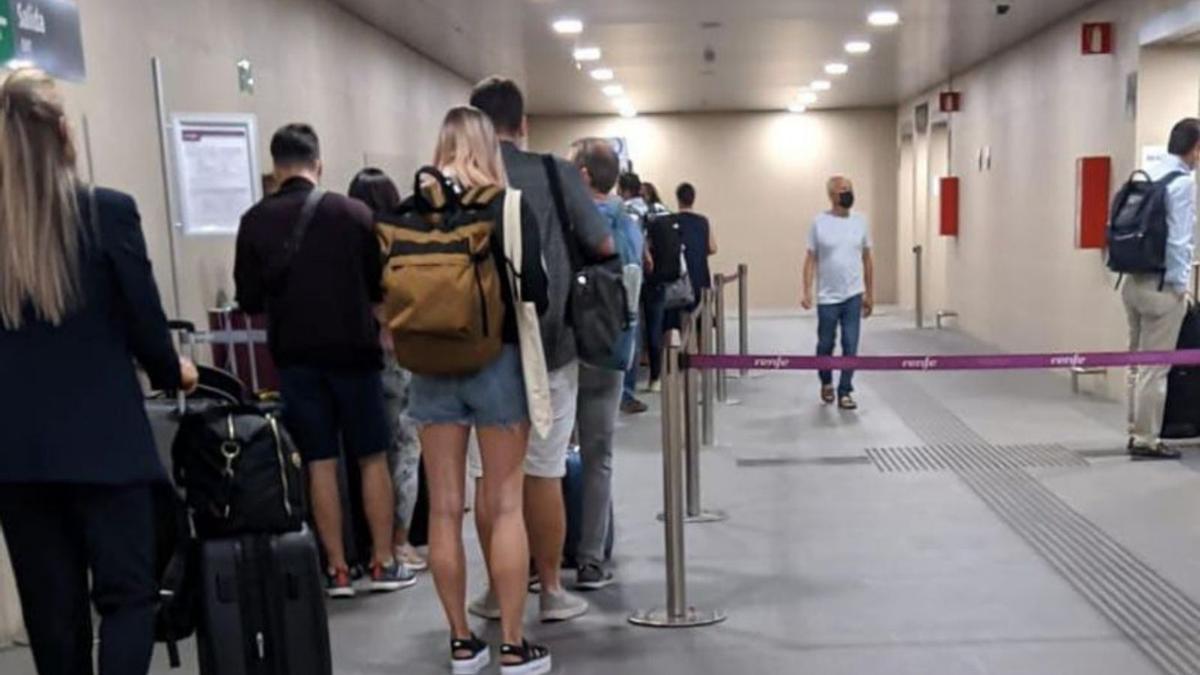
7, 29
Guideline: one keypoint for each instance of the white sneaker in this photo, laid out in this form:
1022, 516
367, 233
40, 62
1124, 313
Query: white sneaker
485, 606
561, 606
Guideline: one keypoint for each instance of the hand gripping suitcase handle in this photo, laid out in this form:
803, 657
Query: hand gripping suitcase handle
187, 338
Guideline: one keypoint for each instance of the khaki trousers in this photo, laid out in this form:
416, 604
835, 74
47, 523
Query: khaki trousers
1155, 318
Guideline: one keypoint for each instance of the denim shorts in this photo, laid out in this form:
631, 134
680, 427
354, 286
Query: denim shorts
493, 397
328, 410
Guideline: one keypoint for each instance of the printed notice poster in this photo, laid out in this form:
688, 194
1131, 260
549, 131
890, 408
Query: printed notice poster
1152, 155
216, 167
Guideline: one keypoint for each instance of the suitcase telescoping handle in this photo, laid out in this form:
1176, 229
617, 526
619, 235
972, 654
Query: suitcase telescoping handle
187, 339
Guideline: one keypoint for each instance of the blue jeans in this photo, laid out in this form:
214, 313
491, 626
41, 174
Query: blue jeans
654, 307
629, 389
848, 315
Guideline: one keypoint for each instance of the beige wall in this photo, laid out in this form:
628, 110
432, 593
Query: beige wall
367, 94
1014, 273
761, 180
1169, 90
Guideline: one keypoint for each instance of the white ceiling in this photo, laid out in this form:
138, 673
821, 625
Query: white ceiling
765, 49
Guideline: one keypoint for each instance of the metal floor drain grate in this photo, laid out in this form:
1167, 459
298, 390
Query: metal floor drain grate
975, 456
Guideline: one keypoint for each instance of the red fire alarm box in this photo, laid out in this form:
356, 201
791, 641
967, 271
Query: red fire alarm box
1097, 38
1094, 188
950, 101
949, 219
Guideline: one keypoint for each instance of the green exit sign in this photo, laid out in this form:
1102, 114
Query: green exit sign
42, 33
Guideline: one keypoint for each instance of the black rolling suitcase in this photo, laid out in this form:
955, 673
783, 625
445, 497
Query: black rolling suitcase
262, 607
1181, 417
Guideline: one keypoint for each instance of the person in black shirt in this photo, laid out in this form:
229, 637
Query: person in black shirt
324, 337
699, 245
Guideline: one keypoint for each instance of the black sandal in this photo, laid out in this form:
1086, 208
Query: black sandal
479, 659
535, 659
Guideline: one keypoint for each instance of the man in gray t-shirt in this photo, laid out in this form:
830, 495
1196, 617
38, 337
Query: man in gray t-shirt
545, 463
839, 261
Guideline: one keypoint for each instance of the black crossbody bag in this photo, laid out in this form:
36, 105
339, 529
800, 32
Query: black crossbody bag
598, 308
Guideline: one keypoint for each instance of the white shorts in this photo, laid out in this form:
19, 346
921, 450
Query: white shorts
546, 458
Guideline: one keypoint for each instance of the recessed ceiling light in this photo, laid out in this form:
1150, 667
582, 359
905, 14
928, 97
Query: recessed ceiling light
602, 74
837, 68
883, 17
568, 26
807, 98
797, 107
821, 85
629, 111
587, 54
613, 90
858, 47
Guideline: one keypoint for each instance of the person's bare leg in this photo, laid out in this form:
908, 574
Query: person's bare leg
379, 504
546, 520
503, 450
445, 451
483, 526
327, 510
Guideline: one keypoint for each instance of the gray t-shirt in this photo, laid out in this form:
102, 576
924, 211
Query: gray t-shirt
839, 244
527, 174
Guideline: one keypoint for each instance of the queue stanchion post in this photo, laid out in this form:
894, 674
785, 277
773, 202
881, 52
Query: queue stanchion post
920, 297
708, 393
722, 375
677, 613
744, 313
693, 419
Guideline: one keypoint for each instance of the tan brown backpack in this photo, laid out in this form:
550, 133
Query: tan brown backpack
443, 302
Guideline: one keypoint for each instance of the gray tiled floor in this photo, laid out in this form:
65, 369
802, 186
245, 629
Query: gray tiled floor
830, 569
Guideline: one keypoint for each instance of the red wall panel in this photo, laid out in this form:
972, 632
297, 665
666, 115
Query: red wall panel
1094, 190
949, 215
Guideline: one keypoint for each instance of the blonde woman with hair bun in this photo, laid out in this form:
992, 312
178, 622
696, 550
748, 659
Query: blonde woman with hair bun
78, 305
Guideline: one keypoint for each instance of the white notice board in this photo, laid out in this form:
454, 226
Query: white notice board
216, 171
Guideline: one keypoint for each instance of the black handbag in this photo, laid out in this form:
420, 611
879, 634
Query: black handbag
599, 303
240, 471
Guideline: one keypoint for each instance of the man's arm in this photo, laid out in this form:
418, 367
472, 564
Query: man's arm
712, 241
250, 290
810, 276
1181, 224
869, 279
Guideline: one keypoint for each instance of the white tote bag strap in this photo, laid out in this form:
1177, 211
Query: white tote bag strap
533, 357
12, 629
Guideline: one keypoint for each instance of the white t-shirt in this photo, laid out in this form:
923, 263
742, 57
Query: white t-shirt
839, 244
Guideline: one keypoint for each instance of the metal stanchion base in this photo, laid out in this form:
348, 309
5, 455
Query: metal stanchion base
716, 516
692, 618
733, 402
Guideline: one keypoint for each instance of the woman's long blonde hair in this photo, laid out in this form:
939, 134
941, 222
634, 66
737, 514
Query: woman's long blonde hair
468, 150
39, 213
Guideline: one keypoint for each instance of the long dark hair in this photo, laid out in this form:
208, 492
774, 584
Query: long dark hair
650, 193
372, 187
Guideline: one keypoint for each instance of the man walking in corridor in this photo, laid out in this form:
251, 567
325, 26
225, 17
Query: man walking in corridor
839, 262
1157, 303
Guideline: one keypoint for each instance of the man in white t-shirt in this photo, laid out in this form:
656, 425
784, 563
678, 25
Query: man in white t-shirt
839, 260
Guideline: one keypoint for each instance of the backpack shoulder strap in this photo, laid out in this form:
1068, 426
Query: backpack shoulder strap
514, 251
296, 239
1166, 180
550, 164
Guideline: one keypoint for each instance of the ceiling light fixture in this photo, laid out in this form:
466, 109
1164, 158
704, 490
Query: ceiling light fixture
568, 26
602, 74
821, 85
883, 18
807, 98
836, 68
858, 47
587, 54
797, 107
628, 111
613, 90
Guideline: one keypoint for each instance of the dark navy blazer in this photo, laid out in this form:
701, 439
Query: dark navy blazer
71, 406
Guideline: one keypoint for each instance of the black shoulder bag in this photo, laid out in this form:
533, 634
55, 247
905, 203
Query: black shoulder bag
598, 307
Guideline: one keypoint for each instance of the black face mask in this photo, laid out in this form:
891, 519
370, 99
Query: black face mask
846, 200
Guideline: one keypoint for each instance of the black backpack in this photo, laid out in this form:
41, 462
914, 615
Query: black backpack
240, 471
1137, 234
666, 248
598, 308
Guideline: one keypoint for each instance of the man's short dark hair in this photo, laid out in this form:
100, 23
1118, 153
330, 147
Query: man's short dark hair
598, 157
686, 194
1185, 137
630, 184
295, 145
500, 99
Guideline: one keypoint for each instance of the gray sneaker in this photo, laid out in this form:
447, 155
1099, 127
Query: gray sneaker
561, 606
593, 578
485, 606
